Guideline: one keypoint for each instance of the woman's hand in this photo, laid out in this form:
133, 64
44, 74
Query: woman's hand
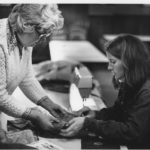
61, 113
44, 121
74, 126
85, 111
56, 110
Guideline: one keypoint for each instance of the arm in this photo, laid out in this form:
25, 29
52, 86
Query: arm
103, 114
135, 127
88, 115
10, 105
35, 92
112, 112
30, 86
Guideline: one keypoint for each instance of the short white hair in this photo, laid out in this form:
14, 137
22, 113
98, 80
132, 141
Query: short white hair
45, 17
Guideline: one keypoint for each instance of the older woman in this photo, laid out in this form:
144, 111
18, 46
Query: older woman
26, 26
128, 121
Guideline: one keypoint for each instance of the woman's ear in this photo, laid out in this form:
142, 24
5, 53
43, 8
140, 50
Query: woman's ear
28, 28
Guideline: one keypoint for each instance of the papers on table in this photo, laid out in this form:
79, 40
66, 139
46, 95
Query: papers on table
68, 144
44, 144
56, 144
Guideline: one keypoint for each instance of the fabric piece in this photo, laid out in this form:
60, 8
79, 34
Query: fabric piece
22, 137
21, 124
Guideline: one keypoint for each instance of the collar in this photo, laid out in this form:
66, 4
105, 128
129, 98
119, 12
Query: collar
11, 38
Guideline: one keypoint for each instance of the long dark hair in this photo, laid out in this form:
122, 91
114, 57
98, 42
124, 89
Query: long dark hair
135, 58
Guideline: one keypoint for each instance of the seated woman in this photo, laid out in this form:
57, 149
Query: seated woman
128, 121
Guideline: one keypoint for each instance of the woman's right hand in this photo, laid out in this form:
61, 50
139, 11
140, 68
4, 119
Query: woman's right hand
44, 121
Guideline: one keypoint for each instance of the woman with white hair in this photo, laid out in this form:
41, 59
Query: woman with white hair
26, 26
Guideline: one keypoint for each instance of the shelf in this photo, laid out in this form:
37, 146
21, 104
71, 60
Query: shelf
144, 38
119, 9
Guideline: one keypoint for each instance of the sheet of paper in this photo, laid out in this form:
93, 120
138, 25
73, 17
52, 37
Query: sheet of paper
67, 144
45, 144
81, 51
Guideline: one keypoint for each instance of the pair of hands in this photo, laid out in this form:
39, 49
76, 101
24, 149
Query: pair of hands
54, 122
76, 124
56, 110
75, 120
43, 120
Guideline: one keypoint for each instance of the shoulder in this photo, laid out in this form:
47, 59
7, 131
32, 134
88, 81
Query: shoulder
144, 92
146, 85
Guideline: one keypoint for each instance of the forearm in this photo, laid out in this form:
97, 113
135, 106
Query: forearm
11, 106
116, 131
32, 89
56, 110
109, 113
46, 103
104, 114
31, 114
38, 118
31, 86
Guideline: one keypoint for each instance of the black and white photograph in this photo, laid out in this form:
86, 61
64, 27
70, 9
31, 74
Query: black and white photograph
74, 75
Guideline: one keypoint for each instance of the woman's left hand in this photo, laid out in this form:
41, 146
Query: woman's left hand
56, 110
60, 113
74, 126
85, 111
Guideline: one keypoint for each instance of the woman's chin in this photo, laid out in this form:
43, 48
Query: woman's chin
120, 79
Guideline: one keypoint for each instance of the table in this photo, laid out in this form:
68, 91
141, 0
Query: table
86, 141
76, 143
80, 51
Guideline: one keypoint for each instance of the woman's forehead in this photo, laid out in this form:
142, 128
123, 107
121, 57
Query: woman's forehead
110, 56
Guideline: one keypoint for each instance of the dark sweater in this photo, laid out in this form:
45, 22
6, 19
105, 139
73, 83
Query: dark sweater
127, 122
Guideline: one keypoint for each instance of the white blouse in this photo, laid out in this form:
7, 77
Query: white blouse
15, 70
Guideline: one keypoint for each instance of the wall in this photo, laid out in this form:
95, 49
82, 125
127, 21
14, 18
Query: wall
103, 19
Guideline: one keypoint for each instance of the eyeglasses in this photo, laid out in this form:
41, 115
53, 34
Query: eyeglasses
43, 36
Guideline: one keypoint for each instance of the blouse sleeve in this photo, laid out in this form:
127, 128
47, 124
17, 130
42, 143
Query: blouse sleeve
112, 112
31, 86
8, 103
